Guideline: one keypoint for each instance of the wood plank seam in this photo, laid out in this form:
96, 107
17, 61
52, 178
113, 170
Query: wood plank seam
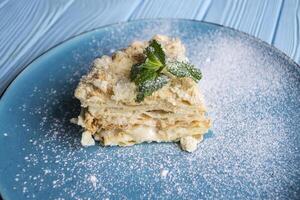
277, 23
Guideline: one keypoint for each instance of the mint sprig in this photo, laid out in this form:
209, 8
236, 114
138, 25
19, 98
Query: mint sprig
152, 74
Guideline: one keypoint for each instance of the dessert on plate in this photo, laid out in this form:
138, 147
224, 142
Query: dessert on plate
147, 92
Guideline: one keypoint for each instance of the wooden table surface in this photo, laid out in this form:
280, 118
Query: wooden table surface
30, 27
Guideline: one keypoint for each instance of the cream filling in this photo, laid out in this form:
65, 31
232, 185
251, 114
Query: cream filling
188, 137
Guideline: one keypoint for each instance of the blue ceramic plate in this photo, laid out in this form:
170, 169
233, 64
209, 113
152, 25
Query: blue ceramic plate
252, 92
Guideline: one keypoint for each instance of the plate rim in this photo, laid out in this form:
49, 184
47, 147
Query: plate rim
26, 66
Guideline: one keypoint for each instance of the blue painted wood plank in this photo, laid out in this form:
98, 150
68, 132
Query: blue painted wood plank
258, 18
287, 36
167, 9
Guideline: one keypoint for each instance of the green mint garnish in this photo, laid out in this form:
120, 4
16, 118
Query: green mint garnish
147, 87
140, 74
155, 56
151, 75
183, 69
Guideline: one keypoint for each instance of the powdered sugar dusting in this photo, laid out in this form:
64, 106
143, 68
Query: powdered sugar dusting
252, 151
164, 173
93, 180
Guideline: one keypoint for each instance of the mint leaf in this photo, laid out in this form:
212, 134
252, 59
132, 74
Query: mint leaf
183, 69
135, 71
140, 74
145, 74
147, 87
155, 56
158, 51
153, 64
